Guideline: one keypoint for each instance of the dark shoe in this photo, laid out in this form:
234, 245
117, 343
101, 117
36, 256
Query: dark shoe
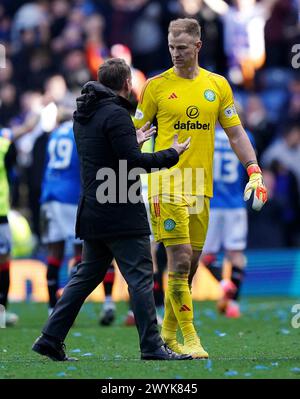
164, 353
107, 317
53, 349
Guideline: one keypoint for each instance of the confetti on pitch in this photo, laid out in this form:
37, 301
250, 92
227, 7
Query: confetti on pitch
198, 323
208, 365
231, 373
77, 350
72, 368
220, 334
210, 313
261, 367
87, 354
62, 374
295, 369
282, 315
284, 331
77, 334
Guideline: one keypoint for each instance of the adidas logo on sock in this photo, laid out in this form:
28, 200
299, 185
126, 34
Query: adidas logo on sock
184, 308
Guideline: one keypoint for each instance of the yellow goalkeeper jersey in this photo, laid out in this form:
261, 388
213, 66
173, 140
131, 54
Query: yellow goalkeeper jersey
5, 141
189, 108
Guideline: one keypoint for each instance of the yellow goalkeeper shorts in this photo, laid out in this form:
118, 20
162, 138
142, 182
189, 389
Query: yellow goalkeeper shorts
180, 219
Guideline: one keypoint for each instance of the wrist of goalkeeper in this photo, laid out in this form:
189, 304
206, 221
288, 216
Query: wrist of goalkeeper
253, 168
256, 186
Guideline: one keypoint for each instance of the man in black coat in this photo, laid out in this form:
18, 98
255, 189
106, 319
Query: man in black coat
111, 217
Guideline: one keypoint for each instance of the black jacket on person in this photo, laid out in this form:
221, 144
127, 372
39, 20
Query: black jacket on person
105, 134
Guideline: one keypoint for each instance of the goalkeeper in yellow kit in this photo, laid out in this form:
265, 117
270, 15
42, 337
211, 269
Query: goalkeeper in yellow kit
189, 100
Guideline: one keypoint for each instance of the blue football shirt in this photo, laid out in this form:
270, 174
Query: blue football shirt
229, 174
62, 175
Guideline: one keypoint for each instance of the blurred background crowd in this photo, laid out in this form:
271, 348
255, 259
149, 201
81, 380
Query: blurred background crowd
54, 47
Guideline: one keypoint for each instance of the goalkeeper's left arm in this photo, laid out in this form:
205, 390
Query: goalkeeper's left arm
244, 150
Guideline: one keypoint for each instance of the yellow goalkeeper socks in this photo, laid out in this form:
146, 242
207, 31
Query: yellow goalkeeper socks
181, 300
170, 324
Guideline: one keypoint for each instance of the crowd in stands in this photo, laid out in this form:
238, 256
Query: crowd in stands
53, 47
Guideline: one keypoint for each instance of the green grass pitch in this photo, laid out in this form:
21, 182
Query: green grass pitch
262, 344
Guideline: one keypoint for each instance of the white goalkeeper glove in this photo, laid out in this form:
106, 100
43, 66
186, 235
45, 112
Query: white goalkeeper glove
255, 185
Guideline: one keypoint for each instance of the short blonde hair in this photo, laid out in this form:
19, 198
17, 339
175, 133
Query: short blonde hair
185, 25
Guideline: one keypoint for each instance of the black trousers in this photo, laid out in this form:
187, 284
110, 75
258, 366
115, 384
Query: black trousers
134, 260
